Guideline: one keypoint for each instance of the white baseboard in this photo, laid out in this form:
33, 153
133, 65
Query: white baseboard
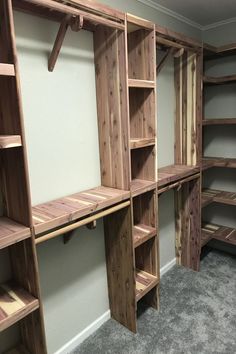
167, 267
77, 340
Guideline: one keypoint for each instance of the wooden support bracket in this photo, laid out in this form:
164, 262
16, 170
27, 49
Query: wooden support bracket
179, 53
76, 24
67, 237
168, 53
92, 225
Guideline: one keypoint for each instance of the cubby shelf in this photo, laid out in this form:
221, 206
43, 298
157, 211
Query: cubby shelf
64, 210
219, 121
173, 173
139, 186
137, 143
145, 282
20, 349
218, 196
208, 162
12, 232
10, 141
218, 232
142, 233
7, 69
223, 80
141, 83
15, 304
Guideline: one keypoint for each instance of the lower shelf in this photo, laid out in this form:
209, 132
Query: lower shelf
218, 232
18, 350
142, 233
15, 304
209, 162
12, 232
144, 283
218, 196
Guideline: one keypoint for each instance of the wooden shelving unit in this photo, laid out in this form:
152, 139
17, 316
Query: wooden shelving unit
169, 175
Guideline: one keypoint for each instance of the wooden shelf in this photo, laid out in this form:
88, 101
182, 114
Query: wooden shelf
7, 70
64, 210
137, 143
15, 304
141, 83
139, 186
144, 283
173, 173
10, 141
18, 350
217, 232
219, 121
208, 162
218, 196
12, 232
223, 80
142, 233
212, 52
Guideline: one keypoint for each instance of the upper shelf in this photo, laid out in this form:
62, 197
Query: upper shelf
217, 232
208, 162
219, 121
64, 210
173, 173
223, 80
10, 141
7, 69
12, 232
141, 83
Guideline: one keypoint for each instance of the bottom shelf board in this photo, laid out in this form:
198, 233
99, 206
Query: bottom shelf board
145, 282
15, 304
218, 232
20, 349
12, 232
139, 186
142, 233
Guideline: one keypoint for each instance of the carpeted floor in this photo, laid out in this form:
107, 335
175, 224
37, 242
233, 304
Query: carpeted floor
198, 315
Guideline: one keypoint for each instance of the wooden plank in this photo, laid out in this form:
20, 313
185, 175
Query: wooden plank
142, 233
218, 196
219, 232
219, 121
15, 304
139, 22
177, 185
209, 162
137, 143
139, 186
7, 69
10, 141
173, 173
141, 83
18, 350
144, 283
208, 80
12, 232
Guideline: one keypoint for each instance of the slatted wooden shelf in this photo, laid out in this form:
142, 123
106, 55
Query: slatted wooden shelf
15, 304
209, 162
64, 210
7, 69
10, 141
219, 121
173, 173
144, 283
218, 232
18, 350
12, 232
137, 143
139, 186
143, 233
141, 83
209, 80
217, 196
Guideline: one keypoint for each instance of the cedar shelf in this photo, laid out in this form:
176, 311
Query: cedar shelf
208, 162
212, 195
145, 282
219, 121
143, 233
137, 143
15, 304
12, 232
218, 232
141, 83
139, 186
173, 173
7, 70
223, 80
10, 141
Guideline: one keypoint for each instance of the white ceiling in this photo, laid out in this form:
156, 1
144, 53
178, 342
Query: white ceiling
203, 12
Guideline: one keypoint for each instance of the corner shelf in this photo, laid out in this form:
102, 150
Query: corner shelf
173, 173
208, 162
223, 80
7, 69
12, 232
141, 83
142, 233
218, 232
10, 141
139, 186
219, 121
15, 304
145, 282
137, 143
218, 196
212, 52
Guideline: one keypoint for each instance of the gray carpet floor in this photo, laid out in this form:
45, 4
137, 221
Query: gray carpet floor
198, 315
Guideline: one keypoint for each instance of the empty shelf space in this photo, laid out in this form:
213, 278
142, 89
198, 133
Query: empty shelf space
10, 141
173, 173
15, 304
208, 80
137, 143
64, 210
209, 162
12, 232
144, 283
7, 69
18, 350
139, 186
141, 83
218, 232
143, 233
218, 196
219, 121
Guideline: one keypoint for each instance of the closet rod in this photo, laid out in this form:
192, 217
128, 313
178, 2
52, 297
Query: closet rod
83, 222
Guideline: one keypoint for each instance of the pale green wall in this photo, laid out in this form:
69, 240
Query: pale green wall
62, 143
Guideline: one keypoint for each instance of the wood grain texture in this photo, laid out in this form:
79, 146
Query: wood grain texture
144, 283
7, 69
209, 162
12, 232
218, 196
141, 83
10, 141
137, 143
218, 232
142, 233
172, 173
139, 186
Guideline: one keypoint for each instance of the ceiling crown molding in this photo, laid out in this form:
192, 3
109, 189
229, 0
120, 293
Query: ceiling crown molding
171, 13
218, 24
